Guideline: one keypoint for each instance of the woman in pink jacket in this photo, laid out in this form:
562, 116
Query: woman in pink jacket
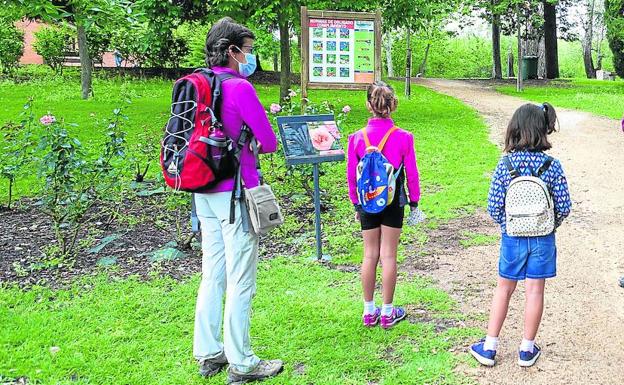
381, 231
230, 254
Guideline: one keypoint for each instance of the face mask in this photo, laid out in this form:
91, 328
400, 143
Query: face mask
247, 69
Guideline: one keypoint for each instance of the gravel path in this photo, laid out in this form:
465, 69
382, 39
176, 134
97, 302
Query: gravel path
582, 333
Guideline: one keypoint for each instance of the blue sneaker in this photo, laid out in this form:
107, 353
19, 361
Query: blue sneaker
485, 357
526, 359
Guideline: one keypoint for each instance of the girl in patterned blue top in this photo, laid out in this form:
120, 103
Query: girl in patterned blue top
530, 258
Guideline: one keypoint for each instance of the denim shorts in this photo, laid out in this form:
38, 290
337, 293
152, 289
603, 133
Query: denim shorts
528, 257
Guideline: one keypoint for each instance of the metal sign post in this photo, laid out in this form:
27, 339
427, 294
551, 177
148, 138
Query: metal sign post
317, 214
312, 139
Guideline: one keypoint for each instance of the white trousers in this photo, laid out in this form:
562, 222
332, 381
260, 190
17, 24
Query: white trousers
229, 266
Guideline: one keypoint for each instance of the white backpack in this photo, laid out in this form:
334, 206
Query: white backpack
529, 207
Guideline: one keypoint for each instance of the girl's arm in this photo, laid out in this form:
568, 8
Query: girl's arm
352, 162
560, 193
496, 196
255, 117
411, 171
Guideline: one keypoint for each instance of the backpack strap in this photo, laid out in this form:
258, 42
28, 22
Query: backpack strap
544, 167
366, 140
381, 144
385, 138
512, 171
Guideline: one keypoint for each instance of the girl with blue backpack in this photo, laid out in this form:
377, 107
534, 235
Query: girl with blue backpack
380, 157
529, 199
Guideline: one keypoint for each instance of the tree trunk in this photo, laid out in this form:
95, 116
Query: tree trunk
510, 63
11, 181
423, 65
551, 49
497, 72
275, 62
86, 65
388, 44
588, 61
259, 64
408, 65
519, 83
541, 59
284, 27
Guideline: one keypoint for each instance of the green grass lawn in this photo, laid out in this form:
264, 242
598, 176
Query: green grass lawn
131, 332
596, 96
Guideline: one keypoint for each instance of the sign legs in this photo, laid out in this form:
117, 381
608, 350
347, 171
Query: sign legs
317, 212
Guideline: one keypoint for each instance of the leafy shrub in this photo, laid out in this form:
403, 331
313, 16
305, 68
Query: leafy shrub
98, 40
74, 180
194, 36
50, 43
147, 48
143, 153
17, 147
11, 46
302, 174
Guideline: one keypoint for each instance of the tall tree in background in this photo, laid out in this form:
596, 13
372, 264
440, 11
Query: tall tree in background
497, 72
84, 14
286, 15
551, 50
614, 12
588, 27
491, 11
424, 18
592, 20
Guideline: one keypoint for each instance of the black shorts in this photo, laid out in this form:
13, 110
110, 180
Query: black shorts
391, 216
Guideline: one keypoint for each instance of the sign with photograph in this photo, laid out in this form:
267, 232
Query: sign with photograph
341, 49
310, 139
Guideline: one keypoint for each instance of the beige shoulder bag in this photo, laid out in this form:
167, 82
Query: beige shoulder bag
264, 211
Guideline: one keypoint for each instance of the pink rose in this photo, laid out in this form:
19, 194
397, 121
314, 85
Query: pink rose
322, 140
622, 124
48, 119
275, 108
346, 109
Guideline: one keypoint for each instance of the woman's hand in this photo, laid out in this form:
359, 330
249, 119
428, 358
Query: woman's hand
357, 216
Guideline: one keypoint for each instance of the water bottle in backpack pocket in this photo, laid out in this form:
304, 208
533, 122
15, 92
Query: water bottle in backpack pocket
529, 208
376, 177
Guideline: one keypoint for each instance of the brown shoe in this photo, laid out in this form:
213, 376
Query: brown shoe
262, 371
211, 366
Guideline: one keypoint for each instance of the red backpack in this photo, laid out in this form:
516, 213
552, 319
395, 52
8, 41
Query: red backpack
196, 154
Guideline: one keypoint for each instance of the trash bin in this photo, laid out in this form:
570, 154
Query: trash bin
529, 67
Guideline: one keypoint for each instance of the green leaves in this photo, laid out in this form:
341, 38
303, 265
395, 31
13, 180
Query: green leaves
50, 43
614, 18
74, 180
11, 46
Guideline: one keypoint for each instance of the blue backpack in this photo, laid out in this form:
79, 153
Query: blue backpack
376, 177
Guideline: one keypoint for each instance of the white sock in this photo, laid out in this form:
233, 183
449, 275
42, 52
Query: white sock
369, 307
386, 309
491, 343
527, 345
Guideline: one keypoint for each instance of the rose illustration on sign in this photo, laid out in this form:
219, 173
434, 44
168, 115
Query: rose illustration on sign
321, 138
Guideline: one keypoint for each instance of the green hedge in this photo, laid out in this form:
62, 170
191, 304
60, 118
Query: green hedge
471, 57
11, 46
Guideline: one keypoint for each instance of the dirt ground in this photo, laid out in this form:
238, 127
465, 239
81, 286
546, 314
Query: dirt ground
582, 333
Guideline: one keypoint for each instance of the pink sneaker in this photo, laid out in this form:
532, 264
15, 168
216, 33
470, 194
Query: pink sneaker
371, 320
398, 314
